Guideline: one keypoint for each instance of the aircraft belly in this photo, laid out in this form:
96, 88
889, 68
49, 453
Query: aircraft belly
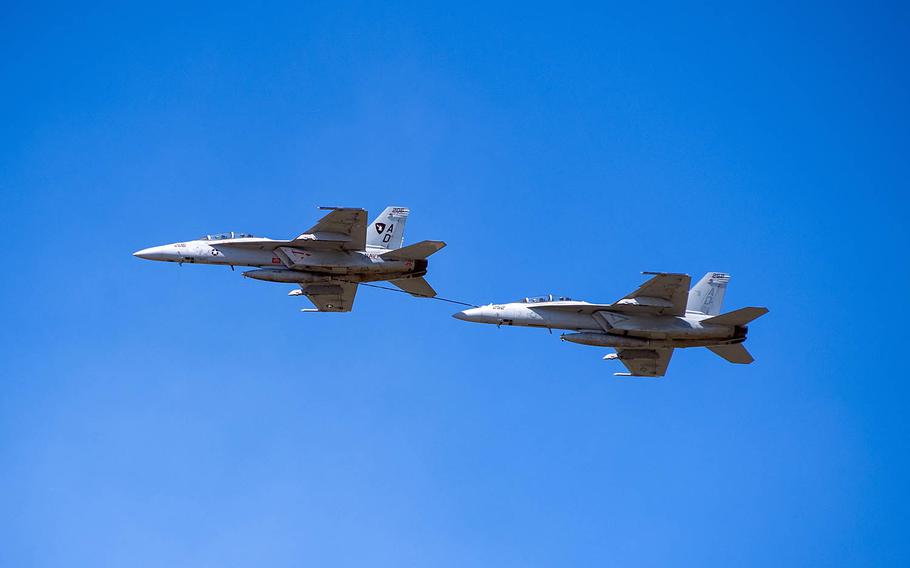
563, 320
382, 276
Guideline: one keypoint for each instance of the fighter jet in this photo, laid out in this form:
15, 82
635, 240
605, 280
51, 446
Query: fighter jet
644, 327
327, 261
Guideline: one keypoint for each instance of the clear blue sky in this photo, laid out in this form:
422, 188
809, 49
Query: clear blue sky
152, 415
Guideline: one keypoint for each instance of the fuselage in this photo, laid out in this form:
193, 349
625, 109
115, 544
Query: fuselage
277, 262
598, 325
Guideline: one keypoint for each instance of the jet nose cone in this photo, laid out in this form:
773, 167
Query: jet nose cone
154, 253
144, 253
472, 314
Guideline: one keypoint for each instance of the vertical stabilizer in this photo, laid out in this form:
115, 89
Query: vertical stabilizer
387, 230
708, 295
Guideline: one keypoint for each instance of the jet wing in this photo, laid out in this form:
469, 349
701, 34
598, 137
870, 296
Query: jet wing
643, 362
664, 294
331, 297
344, 228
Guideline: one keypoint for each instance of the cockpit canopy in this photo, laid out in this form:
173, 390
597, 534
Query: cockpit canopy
225, 236
544, 298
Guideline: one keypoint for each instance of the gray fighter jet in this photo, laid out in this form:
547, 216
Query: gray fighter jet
328, 261
644, 327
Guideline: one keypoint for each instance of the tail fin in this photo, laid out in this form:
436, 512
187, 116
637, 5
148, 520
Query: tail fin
415, 287
735, 353
387, 230
708, 295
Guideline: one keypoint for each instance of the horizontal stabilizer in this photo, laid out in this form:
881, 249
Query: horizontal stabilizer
415, 287
417, 251
741, 316
735, 353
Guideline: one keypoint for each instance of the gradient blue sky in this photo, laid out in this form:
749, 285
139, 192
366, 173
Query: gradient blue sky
152, 415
